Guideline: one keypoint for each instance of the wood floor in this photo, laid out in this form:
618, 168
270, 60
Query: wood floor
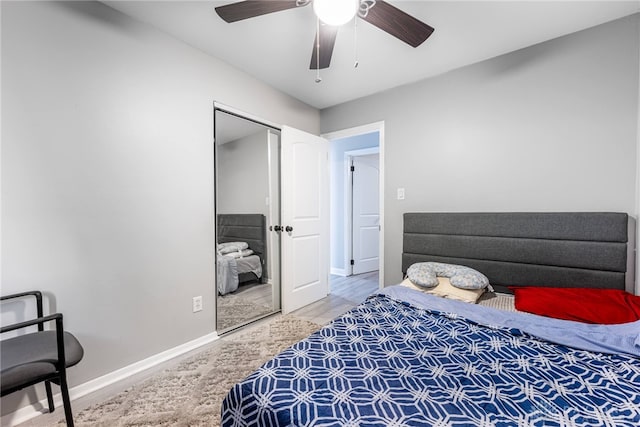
256, 292
346, 293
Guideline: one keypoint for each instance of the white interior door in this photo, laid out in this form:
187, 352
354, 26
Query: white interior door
366, 213
305, 218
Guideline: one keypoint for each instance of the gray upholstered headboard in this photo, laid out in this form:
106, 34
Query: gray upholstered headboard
250, 228
581, 249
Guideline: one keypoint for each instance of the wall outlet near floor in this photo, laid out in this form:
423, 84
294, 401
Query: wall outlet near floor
197, 304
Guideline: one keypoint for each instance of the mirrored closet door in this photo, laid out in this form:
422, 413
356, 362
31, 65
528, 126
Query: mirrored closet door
247, 209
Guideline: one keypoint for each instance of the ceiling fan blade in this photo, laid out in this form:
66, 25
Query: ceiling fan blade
327, 35
251, 8
398, 23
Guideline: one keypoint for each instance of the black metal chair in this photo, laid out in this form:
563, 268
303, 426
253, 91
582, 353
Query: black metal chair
38, 356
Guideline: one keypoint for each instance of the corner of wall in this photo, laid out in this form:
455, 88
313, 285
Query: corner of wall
637, 201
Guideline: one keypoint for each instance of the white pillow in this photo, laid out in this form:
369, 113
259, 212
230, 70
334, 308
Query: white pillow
228, 247
240, 254
446, 290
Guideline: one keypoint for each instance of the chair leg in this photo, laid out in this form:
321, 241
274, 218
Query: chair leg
66, 402
47, 386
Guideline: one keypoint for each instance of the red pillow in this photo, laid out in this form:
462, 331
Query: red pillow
588, 305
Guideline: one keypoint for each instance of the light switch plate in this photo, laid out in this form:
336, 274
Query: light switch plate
400, 193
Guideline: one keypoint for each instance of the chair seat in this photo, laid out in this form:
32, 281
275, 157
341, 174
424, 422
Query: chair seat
28, 357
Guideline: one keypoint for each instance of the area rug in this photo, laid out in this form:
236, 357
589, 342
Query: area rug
191, 393
235, 310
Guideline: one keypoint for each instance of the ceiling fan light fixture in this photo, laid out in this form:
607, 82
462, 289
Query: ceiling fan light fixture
335, 12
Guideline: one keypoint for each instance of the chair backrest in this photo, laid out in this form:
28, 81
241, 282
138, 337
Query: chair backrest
42, 355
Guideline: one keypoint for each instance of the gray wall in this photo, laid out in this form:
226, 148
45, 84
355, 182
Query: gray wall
107, 175
337, 170
243, 175
552, 127
242, 168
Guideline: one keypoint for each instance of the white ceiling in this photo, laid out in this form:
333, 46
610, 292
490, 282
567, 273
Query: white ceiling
276, 48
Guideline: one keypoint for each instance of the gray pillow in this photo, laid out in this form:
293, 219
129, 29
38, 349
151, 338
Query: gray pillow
426, 274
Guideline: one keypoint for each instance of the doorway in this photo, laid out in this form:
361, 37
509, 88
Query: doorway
362, 190
362, 145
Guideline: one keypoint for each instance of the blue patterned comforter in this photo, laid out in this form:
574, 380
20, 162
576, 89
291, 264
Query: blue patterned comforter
389, 362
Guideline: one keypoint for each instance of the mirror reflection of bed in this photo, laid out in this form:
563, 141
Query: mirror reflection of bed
244, 291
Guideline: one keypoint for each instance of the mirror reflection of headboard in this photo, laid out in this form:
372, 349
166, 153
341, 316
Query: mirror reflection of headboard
250, 228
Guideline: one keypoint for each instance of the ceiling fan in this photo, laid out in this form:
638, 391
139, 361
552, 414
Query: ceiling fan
333, 13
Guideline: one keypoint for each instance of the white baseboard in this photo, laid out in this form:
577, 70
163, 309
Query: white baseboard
338, 271
27, 412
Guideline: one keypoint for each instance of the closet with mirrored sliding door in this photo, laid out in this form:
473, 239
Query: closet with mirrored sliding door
271, 218
247, 181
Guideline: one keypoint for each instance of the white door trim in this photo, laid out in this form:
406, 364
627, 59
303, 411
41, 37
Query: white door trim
359, 130
244, 115
348, 211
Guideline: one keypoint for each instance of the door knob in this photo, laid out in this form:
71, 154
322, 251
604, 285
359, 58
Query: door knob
277, 228
288, 229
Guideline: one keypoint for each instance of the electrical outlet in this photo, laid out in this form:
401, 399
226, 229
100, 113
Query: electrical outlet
197, 304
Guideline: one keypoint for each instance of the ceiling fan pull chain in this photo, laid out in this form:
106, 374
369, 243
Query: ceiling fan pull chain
318, 78
355, 42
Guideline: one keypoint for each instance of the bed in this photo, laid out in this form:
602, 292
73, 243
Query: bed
407, 358
237, 264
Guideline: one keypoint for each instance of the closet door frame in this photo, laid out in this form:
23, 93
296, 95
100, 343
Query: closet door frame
269, 126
